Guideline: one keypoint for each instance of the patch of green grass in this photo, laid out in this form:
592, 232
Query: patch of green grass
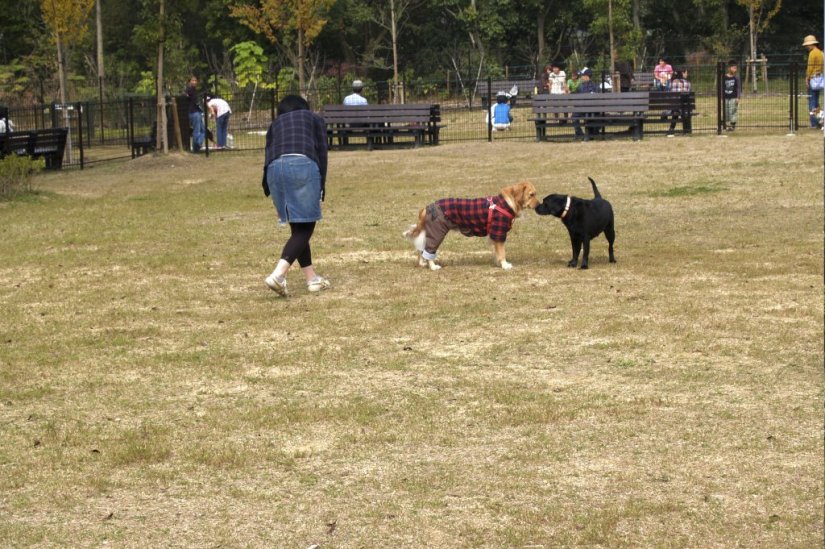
688, 190
143, 445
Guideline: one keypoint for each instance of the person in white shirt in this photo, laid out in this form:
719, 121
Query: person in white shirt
355, 98
557, 83
220, 111
556, 80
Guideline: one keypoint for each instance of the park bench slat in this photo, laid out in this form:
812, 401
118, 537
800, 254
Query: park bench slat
48, 143
526, 89
599, 109
666, 104
381, 123
643, 80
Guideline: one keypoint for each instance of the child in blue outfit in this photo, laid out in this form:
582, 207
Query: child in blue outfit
500, 113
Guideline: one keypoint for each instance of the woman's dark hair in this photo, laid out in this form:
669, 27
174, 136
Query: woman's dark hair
292, 103
678, 75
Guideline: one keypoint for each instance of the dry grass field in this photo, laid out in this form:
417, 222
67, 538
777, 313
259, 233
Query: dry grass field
154, 392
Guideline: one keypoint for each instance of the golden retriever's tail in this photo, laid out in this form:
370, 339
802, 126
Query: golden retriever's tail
417, 236
416, 233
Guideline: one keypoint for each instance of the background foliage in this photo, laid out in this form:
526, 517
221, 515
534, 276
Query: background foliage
435, 38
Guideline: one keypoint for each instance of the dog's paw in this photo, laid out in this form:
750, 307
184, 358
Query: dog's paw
434, 266
506, 265
422, 262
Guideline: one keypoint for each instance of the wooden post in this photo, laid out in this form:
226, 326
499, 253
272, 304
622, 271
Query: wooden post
176, 123
763, 61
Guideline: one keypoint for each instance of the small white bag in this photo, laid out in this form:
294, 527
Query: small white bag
817, 82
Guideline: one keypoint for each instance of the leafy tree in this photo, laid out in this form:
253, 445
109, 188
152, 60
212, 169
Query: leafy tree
249, 67
291, 24
627, 38
760, 13
67, 20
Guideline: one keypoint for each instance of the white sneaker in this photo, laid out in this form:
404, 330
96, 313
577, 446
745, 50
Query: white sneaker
277, 286
318, 283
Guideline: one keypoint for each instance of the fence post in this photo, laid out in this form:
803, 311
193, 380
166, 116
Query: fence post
100, 110
205, 126
791, 95
79, 108
720, 94
130, 125
489, 114
89, 126
795, 98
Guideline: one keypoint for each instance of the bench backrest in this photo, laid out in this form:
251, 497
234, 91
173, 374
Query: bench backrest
413, 113
643, 80
16, 142
525, 87
30, 140
590, 103
50, 138
670, 101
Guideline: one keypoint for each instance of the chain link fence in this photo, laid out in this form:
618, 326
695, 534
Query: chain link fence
107, 131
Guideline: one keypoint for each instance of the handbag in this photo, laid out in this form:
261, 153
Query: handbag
817, 82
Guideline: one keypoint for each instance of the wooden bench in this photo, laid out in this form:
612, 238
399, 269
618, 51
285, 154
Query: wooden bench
643, 81
670, 107
434, 125
141, 145
526, 90
381, 124
49, 144
594, 111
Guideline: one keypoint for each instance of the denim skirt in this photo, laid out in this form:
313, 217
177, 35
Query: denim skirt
295, 187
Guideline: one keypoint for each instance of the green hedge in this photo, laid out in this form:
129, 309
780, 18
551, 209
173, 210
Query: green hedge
16, 175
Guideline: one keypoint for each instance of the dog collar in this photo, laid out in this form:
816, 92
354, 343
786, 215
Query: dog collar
566, 209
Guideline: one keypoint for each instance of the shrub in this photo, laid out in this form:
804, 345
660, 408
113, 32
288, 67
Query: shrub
16, 175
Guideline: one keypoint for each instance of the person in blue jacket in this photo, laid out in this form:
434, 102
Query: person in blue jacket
500, 113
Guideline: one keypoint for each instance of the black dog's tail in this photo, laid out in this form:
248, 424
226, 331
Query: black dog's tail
595, 190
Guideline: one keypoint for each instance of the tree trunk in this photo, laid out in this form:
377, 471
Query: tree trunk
540, 39
161, 140
612, 46
64, 83
99, 28
100, 72
394, 32
301, 80
752, 29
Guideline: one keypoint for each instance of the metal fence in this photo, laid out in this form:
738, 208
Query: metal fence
102, 132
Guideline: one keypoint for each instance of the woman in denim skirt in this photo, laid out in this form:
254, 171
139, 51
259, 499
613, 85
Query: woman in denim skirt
295, 171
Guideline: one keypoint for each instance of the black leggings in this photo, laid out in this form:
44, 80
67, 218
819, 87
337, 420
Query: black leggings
297, 247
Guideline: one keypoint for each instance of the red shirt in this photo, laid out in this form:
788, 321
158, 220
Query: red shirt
472, 216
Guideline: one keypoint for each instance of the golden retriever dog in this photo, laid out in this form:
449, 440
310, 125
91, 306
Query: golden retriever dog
491, 216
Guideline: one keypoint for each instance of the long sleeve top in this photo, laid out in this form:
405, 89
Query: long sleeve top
298, 132
815, 62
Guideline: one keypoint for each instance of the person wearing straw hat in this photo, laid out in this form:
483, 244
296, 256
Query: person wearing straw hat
813, 77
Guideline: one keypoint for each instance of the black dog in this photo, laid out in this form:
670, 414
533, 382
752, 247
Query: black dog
584, 219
